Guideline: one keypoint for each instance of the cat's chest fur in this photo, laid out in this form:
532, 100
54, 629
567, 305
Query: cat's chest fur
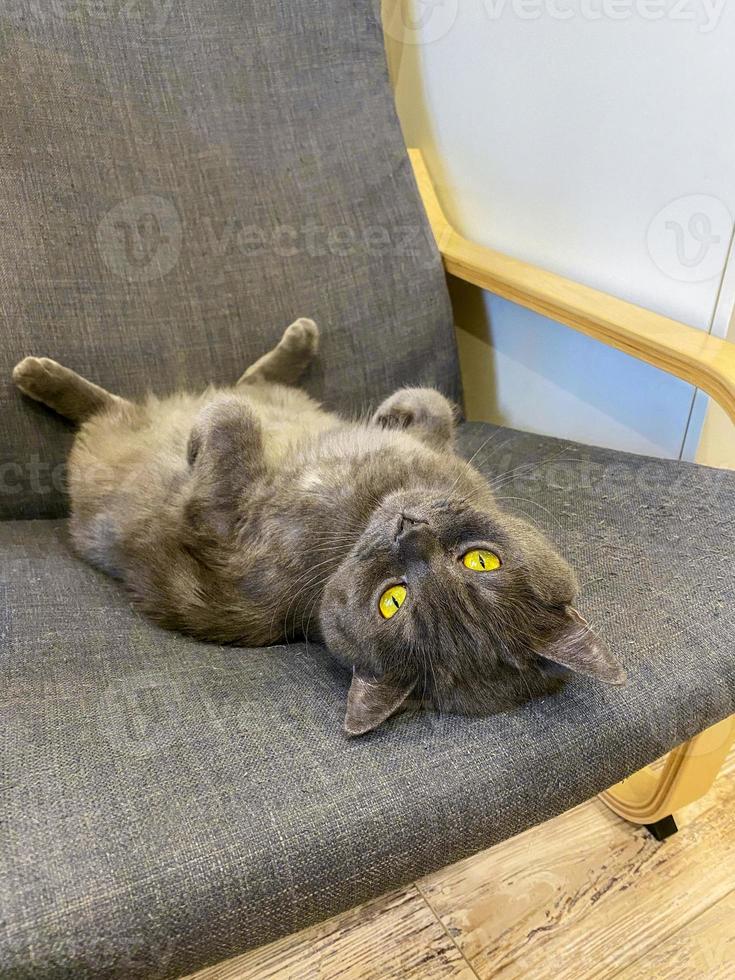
306, 519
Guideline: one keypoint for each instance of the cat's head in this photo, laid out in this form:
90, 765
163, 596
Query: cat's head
446, 598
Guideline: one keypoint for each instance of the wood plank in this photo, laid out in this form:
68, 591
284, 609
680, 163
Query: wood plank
395, 936
704, 948
679, 349
586, 895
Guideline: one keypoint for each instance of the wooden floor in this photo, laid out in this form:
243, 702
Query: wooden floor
585, 895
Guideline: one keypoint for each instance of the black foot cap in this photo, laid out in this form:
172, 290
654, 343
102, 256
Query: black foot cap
663, 828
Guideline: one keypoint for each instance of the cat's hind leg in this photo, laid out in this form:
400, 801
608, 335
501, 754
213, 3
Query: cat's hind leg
289, 358
423, 412
62, 389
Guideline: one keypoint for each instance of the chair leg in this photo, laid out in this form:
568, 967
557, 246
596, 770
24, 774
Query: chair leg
650, 798
663, 829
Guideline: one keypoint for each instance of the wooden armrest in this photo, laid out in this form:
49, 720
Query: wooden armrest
688, 353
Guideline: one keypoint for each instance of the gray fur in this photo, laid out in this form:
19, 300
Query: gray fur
250, 515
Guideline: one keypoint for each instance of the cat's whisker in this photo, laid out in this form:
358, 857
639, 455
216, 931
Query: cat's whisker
529, 500
435, 685
314, 604
424, 674
316, 583
312, 571
522, 467
310, 605
493, 452
524, 679
482, 446
337, 534
335, 548
467, 463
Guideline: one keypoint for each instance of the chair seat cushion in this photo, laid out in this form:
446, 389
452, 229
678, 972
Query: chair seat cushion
166, 803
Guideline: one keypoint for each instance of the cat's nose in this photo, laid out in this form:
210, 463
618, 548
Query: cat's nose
413, 537
405, 523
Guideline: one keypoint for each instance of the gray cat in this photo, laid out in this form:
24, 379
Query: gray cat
250, 515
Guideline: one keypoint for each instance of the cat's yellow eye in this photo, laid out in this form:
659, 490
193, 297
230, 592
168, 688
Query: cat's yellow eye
481, 560
392, 600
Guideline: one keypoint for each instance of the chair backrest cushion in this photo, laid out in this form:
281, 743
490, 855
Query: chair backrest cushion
178, 182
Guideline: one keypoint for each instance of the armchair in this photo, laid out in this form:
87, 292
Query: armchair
180, 181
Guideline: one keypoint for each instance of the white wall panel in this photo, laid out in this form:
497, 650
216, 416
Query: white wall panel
595, 138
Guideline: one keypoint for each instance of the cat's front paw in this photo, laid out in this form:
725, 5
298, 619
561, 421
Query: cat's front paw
398, 415
413, 406
424, 411
33, 375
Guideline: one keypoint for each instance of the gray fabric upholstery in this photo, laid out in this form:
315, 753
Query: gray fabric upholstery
165, 804
180, 182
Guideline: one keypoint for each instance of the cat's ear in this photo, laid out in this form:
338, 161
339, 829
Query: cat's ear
578, 647
370, 701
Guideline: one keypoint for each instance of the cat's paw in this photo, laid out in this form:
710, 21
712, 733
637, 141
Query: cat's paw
424, 411
395, 415
34, 375
289, 358
412, 406
302, 337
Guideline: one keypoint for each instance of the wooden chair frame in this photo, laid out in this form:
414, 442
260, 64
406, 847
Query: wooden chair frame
648, 796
